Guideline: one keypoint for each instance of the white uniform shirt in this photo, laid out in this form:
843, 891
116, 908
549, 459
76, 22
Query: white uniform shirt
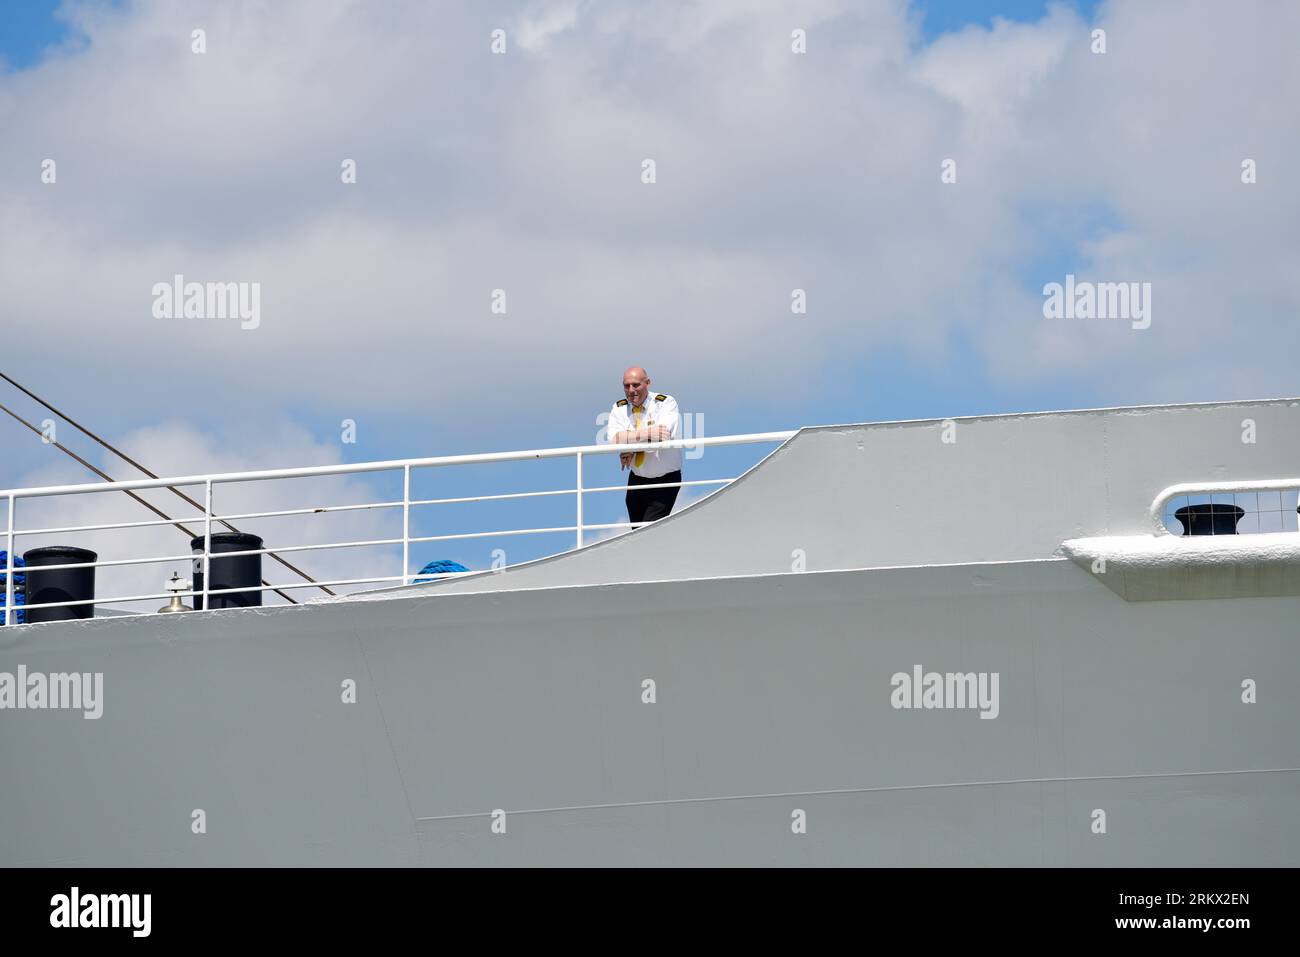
659, 409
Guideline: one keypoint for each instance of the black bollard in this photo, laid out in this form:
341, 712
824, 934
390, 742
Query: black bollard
60, 584
1210, 518
241, 571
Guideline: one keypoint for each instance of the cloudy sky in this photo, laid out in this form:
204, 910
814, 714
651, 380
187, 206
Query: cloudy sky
523, 171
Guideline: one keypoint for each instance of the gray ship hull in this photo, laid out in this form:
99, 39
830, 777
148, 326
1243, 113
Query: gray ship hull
773, 694
1144, 715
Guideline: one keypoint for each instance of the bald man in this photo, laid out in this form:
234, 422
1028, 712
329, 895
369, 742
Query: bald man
645, 416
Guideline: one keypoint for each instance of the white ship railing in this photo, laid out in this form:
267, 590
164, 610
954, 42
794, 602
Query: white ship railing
1188, 489
405, 466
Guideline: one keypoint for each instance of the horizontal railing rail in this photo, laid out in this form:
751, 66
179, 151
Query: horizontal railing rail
202, 521
394, 464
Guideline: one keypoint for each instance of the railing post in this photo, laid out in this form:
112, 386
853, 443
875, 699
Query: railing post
579, 522
10, 617
207, 543
406, 524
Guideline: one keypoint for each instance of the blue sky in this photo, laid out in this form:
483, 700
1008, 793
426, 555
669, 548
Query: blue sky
32, 26
29, 28
947, 16
479, 172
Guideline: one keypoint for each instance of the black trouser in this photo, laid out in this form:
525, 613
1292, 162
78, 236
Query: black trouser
648, 504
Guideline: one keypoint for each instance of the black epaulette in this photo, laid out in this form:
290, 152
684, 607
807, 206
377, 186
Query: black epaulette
621, 402
661, 398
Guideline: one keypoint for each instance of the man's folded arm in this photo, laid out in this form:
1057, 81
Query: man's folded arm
625, 435
635, 435
620, 433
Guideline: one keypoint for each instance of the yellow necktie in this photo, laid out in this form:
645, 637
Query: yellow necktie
639, 459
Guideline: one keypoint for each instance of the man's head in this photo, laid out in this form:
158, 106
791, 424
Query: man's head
636, 385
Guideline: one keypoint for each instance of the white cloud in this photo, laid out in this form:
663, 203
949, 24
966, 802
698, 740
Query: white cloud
550, 19
521, 172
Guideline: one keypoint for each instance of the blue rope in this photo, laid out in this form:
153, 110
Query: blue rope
441, 566
20, 587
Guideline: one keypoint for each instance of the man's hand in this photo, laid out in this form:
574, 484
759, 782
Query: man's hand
659, 433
